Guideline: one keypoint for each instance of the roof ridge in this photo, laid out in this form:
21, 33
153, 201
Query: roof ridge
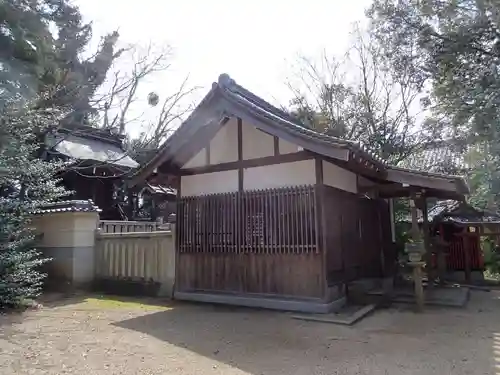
227, 83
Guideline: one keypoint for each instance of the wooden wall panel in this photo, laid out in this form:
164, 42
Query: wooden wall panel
357, 233
294, 275
261, 241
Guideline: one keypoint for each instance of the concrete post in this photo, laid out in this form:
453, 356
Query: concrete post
168, 285
68, 232
169, 259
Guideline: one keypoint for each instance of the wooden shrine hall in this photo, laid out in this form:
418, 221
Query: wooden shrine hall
101, 164
273, 214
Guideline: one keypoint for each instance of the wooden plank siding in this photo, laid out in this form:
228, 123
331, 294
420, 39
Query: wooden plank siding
261, 242
357, 230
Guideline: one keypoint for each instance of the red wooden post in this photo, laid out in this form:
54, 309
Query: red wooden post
466, 252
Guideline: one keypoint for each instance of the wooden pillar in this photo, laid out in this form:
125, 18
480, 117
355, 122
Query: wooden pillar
154, 208
130, 204
414, 218
240, 153
466, 246
417, 266
393, 221
440, 255
427, 241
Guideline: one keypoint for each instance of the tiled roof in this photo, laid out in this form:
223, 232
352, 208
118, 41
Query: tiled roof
444, 158
452, 211
249, 99
85, 148
159, 189
68, 206
227, 100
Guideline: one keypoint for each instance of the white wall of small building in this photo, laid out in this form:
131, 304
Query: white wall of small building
280, 175
339, 178
286, 147
199, 160
257, 144
209, 183
224, 146
264, 177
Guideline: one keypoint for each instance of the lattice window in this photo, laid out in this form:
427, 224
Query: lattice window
264, 221
255, 229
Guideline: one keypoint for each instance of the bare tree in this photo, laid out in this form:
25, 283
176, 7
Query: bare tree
358, 97
173, 110
121, 102
137, 67
120, 91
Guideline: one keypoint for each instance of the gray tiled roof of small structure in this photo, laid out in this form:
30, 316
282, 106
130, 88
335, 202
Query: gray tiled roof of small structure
247, 98
291, 123
68, 206
443, 157
458, 212
88, 143
461, 212
160, 189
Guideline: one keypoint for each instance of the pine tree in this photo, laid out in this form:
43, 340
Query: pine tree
26, 183
34, 60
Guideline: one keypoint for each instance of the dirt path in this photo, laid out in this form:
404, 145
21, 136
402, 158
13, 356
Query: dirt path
94, 336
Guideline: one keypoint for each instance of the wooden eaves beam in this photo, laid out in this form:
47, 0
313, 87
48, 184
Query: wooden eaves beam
364, 166
392, 190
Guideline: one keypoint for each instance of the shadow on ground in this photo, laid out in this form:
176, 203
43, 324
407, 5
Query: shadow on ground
448, 341
252, 340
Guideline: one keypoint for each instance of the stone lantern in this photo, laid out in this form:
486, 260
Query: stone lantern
415, 251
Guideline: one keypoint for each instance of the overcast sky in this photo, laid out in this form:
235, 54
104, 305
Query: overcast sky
255, 42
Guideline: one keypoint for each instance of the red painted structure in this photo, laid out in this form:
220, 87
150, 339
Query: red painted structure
460, 246
458, 227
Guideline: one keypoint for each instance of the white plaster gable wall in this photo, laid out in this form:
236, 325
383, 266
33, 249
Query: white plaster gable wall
280, 175
256, 143
224, 146
365, 182
209, 183
339, 178
287, 147
199, 160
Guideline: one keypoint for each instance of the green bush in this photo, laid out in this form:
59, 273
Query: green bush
491, 256
26, 183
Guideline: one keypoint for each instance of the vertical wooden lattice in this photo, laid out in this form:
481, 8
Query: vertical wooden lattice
263, 221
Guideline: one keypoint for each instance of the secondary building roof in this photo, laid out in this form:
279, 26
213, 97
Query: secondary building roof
459, 213
91, 144
444, 157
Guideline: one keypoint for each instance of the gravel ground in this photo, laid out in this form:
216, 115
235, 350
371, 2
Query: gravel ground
96, 336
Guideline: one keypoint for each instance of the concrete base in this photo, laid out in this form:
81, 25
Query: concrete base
74, 265
316, 306
438, 296
459, 276
360, 291
347, 319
